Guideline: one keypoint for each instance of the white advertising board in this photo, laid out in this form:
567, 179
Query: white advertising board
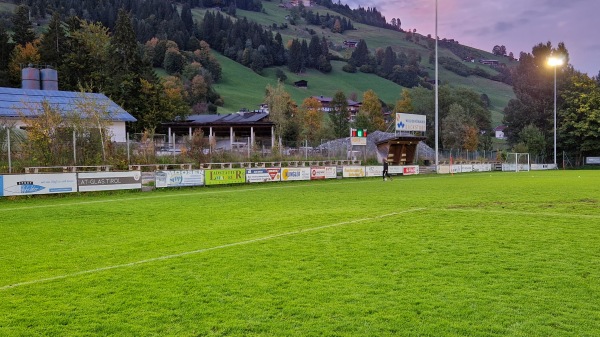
263, 175
359, 141
466, 168
393, 169
28, 184
330, 172
353, 171
443, 169
295, 173
109, 181
179, 178
540, 167
592, 160
410, 122
482, 167
374, 171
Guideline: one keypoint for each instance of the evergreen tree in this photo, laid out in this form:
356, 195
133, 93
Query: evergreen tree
5, 49
295, 57
339, 115
54, 42
22, 27
314, 51
360, 55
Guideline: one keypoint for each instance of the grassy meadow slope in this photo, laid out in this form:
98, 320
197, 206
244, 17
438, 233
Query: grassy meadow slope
235, 88
242, 88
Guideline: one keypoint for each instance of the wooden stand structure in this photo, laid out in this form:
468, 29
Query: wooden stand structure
400, 150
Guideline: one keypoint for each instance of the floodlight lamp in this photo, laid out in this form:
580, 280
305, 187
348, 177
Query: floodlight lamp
554, 61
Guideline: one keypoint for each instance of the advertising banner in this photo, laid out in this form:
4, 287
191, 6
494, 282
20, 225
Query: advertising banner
109, 181
466, 168
263, 175
28, 184
295, 173
410, 122
225, 176
592, 160
482, 167
396, 169
374, 171
353, 171
330, 172
410, 170
317, 172
359, 141
443, 169
179, 178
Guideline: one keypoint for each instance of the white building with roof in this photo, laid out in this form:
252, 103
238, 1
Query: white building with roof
18, 104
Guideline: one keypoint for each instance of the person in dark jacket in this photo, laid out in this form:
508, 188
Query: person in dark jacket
385, 171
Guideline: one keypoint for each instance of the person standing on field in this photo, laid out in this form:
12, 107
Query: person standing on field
385, 171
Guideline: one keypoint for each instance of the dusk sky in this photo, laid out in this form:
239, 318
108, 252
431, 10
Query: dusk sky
516, 24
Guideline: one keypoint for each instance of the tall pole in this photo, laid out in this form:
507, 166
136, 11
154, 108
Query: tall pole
8, 148
555, 116
436, 88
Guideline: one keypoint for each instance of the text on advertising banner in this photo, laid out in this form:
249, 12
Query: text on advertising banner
330, 172
28, 184
179, 178
109, 181
295, 173
225, 176
317, 172
353, 171
410, 170
1, 186
262, 175
393, 169
374, 171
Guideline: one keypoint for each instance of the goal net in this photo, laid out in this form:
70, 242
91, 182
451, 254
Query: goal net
516, 162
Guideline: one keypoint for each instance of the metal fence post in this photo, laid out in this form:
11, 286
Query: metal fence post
8, 148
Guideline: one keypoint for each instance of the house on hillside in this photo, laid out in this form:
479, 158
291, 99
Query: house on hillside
301, 84
41, 86
353, 106
499, 131
306, 3
350, 43
490, 62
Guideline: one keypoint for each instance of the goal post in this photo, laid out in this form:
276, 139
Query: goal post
516, 162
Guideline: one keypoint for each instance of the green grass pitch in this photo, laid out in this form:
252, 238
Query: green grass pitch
496, 254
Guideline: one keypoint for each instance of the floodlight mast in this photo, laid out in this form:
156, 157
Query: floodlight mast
555, 62
436, 88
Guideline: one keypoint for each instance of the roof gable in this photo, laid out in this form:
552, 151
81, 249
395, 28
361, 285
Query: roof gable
15, 102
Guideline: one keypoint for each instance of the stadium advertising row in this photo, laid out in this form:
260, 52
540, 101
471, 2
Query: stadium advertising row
181, 178
52, 183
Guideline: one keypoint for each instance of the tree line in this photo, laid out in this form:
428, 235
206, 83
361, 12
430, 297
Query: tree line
530, 116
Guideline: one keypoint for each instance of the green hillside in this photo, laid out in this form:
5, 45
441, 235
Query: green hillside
241, 87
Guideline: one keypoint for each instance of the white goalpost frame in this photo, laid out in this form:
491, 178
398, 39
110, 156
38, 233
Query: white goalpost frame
514, 165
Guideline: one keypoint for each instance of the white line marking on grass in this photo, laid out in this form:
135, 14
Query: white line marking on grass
204, 250
507, 212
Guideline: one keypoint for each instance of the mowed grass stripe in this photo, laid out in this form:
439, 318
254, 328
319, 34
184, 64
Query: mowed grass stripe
168, 257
